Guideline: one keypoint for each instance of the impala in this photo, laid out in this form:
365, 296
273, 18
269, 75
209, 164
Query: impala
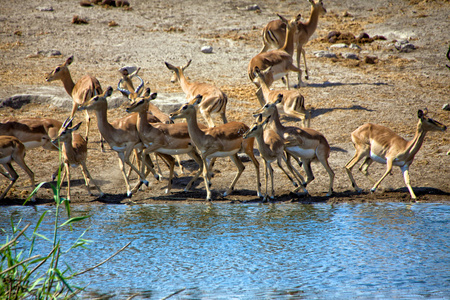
121, 136
85, 88
378, 143
170, 139
214, 100
292, 104
32, 132
271, 148
11, 149
274, 34
280, 59
305, 143
74, 150
221, 141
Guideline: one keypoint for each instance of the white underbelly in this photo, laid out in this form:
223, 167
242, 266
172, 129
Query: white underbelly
382, 160
279, 75
174, 151
5, 160
33, 144
224, 153
304, 153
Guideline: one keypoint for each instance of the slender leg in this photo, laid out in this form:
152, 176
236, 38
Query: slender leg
198, 160
13, 177
271, 181
124, 174
405, 171
86, 174
388, 170
349, 166
67, 167
240, 167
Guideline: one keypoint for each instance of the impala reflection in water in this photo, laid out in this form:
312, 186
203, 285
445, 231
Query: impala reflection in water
277, 251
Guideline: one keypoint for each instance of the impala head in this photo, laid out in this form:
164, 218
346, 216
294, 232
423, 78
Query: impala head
141, 103
318, 6
428, 124
65, 133
60, 71
177, 70
257, 127
268, 109
187, 109
97, 101
264, 75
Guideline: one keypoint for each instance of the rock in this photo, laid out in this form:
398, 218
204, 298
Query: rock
333, 34
446, 107
355, 47
49, 53
253, 7
326, 54
363, 36
45, 8
370, 59
404, 46
349, 55
207, 49
338, 46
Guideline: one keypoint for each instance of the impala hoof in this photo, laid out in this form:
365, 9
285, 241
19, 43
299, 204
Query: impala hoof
166, 191
145, 182
295, 184
372, 190
129, 194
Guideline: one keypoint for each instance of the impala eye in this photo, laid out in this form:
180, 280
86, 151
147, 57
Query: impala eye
57, 69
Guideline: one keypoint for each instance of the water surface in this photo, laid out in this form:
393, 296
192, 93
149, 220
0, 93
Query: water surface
255, 251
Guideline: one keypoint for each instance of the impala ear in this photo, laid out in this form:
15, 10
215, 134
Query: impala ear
109, 91
187, 65
153, 96
279, 99
76, 127
69, 61
258, 118
197, 100
283, 19
147, 92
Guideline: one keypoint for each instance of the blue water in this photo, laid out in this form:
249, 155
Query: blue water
255, 251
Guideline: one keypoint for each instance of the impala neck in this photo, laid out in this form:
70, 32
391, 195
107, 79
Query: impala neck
68, 82
68, 150
142, 122
289, 43
195, 132
264, 88
311, 25
276, 123
416, 143
185, 85
102, 122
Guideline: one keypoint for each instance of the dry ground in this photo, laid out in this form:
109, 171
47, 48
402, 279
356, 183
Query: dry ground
342, 93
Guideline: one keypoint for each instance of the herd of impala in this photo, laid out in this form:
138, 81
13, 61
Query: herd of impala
147, 130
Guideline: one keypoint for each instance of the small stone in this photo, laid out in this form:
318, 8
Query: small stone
349, 55
370, 59
326, 54
49, 8
446, 107
338, 46
207, 49
253, 7
355, 47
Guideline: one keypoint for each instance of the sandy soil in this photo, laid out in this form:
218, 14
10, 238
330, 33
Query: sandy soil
342, 93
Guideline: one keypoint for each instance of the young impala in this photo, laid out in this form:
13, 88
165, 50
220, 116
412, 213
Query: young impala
305, 143
378, 143
271, 148
280, 59
74, 149
274, 34
221, 141
81, 91
214, 100
11, 149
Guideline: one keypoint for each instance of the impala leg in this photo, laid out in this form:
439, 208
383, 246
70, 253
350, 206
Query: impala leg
13, 176
124, 174
240, 167
223, 116
324, 161
198, 160
55, 174
349, 166
306, 67
87, 177
171, 161
207, 116
405, 171
388, 170
126, 157
364, 169
178, 158
299, 74
206, 178
284, 170
146, 161
88, 125
249, 152
266, 179
269, 166
296, 174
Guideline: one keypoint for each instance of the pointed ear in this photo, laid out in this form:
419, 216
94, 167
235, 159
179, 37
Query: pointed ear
76, 127
283, 19
108, 91
153, 96
258, 118
266, 120
420, 114
279, 99
170, 67
68, 61
187, 65
197, 100
146, 93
